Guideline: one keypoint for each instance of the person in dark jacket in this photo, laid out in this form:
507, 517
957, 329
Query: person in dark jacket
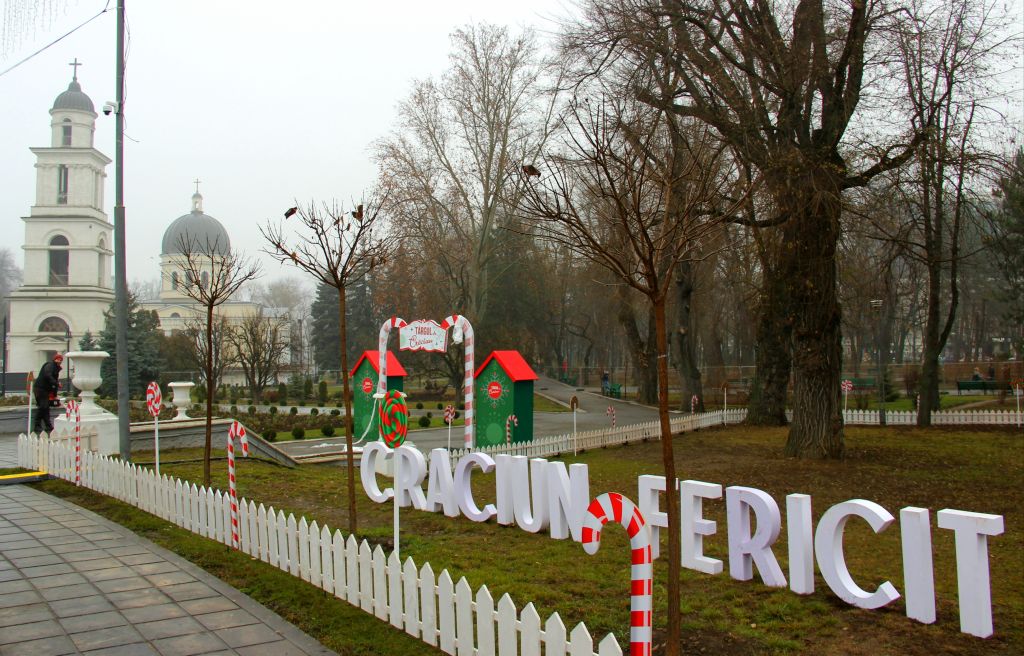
44, 388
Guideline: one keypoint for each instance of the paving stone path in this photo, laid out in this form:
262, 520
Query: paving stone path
72, 582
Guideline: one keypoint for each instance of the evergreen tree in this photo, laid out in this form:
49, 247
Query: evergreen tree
88, 342
325, 328
1009, 241
360, 322
144, 360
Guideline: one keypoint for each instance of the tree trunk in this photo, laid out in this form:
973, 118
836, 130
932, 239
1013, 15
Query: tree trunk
211, 391
349, 458
641, 351
767, 403
808, 265
671, 497
685, 342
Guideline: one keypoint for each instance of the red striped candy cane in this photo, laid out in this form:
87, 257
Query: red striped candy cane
236, 430
693, 404
611, 413
382, 352
509, 423
464, 330
614, 506
71, 406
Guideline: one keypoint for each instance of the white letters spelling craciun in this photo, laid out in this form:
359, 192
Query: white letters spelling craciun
538, 495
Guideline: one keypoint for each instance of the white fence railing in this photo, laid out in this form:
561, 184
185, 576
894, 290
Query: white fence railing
442, 613
543, 447
553, 445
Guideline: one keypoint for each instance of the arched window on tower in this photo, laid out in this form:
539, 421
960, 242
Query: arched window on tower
59, 260
62, 185
65, 132
101, 265
204, 280
54, 325
174, 280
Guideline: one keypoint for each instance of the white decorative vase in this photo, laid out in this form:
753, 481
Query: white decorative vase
87, 377
94, 418
181, 398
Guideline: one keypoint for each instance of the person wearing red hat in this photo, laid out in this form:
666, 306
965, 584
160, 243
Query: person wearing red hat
44, 388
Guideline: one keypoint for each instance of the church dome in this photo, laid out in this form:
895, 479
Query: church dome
202, 231
73, 98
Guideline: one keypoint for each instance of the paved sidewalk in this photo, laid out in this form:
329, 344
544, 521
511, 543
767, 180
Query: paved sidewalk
72, 582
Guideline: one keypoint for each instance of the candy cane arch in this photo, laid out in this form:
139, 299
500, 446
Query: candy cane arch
614, 506
464, 333
382, 352
72, 407
509, 423
236, 430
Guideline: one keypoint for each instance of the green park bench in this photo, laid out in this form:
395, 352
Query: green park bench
983, 386
614, 390
863, 384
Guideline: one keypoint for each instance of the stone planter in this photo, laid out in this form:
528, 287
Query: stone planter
87, 377
182, 398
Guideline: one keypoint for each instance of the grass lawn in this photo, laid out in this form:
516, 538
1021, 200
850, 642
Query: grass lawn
977, 470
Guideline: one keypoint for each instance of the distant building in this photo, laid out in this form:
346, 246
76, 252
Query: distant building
69, 247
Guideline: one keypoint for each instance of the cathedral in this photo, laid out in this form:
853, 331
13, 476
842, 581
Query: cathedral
67, 283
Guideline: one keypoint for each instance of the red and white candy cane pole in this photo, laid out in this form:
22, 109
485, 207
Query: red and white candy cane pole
236, 430
614, 506
611, 413
464, 333
509, 423
71, 407
382, 353
693, 404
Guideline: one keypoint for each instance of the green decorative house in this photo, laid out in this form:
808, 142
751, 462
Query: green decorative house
364, 385
504, 387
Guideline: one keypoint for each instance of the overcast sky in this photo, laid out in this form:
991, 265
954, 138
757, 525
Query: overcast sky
264, 102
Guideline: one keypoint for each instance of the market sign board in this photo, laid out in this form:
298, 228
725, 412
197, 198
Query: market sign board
423, 335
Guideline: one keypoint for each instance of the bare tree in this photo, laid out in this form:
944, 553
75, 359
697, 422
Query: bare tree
218, 350
210, 273
779, 82
635, 195
10, 277
462, 142
259, 343
337, 248
950, 53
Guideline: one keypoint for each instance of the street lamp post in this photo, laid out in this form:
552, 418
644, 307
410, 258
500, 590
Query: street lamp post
67, 379
876, 306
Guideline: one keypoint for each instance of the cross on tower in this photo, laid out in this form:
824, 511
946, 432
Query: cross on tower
75, 64
197, 181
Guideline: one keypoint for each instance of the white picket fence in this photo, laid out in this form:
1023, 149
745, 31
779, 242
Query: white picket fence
553, 445
939, 418
435, 609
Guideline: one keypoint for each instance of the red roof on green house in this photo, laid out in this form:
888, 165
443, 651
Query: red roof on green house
394, 366
513, 364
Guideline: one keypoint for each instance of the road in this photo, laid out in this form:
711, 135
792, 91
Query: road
591, 414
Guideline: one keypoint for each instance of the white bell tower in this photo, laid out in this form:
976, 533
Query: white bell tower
68, 240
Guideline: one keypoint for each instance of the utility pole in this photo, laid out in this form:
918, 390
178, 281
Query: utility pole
120, 259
